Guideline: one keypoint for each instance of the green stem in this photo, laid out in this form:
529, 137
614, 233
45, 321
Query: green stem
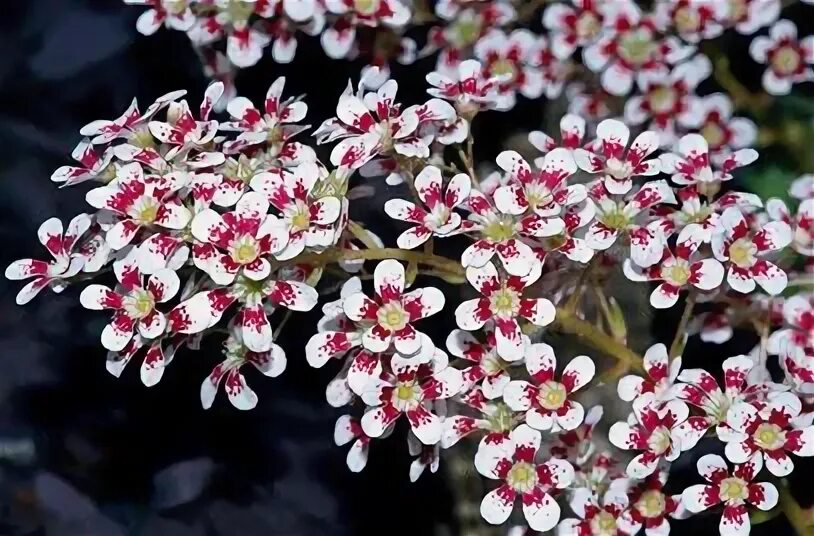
678, 341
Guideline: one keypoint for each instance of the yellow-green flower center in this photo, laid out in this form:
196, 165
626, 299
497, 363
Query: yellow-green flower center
552, 395
786, 60
500, 229
769, 436
636, 47
651, 503
245, 250
733, 489
393, 316
741, 253
603, 524
522, 477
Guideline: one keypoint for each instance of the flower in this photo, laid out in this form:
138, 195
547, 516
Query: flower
270, 363
239, 241
571, 27
139, 201
66, 264
723, 132
487, 368
735, 489
306, 218
338, 39
668, 98
661, 373
133, 302
409, 388
547, 402
501, 228
425, 456
348, 429
795, 342
595, 516
439, 218
502, 301
801, 223
699, 388
512, 462
495, 419
470, 90
629, 44
543, 190
766, 431
650, 506
676, 271
170, 13
788, 57
694, 20
94, 165
656, 431
733, 242
616, 217
390, 315
617, 166
275, 127
572, 130
508, 58
182, 130
750, 15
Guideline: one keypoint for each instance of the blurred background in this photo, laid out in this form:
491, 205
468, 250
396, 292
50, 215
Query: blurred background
85, 454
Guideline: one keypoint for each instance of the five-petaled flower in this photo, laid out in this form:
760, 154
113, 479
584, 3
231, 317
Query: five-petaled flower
502, 301
410, 387
734, 489
439, 219
548, 403
661, 374
733, 242
788, 57
389, 317
513, 462
766, 430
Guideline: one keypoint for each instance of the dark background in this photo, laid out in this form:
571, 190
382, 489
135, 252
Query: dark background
85, 454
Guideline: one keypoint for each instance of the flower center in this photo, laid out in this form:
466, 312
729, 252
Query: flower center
614, 219
499, 230
300, 217
651, 503
505, 303
618, 169
366, 7
636, 47
522, 477
438, 217
176, 7
465, 32
502, 419
677, 274
552, 395
733, 489
687, 20
603, 524
588, 25
239, 10
140, 303
769, 436
659, 441
245, 250
393, 316
742, 253
714, 134
146, 210
786, 60
504, 69
662, 99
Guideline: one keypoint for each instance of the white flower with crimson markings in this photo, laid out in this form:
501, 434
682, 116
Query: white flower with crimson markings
439, 218
131, 126
766, 431
493, 420
502, 301
409, 388
275, 126
597, 515
513, 462
140, 201
615, 162
238, 242
788, 57
723, 133
699, 388
693, 20
661, 374
794, 343
61, 244
548, 403
748, 16
541, 191
349, 429
389, 316
182, 130
572, 131
338, 39
679, 267
734, 244
630, 43
735, 489
501, 227
170, 13
614, 218
656, 431
94, 164
487, 368
571, 27
467, 88
306, 218
650, 506
270, 363
133, 302
509, 59
801, 222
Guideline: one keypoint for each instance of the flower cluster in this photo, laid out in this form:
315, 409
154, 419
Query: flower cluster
222, 226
